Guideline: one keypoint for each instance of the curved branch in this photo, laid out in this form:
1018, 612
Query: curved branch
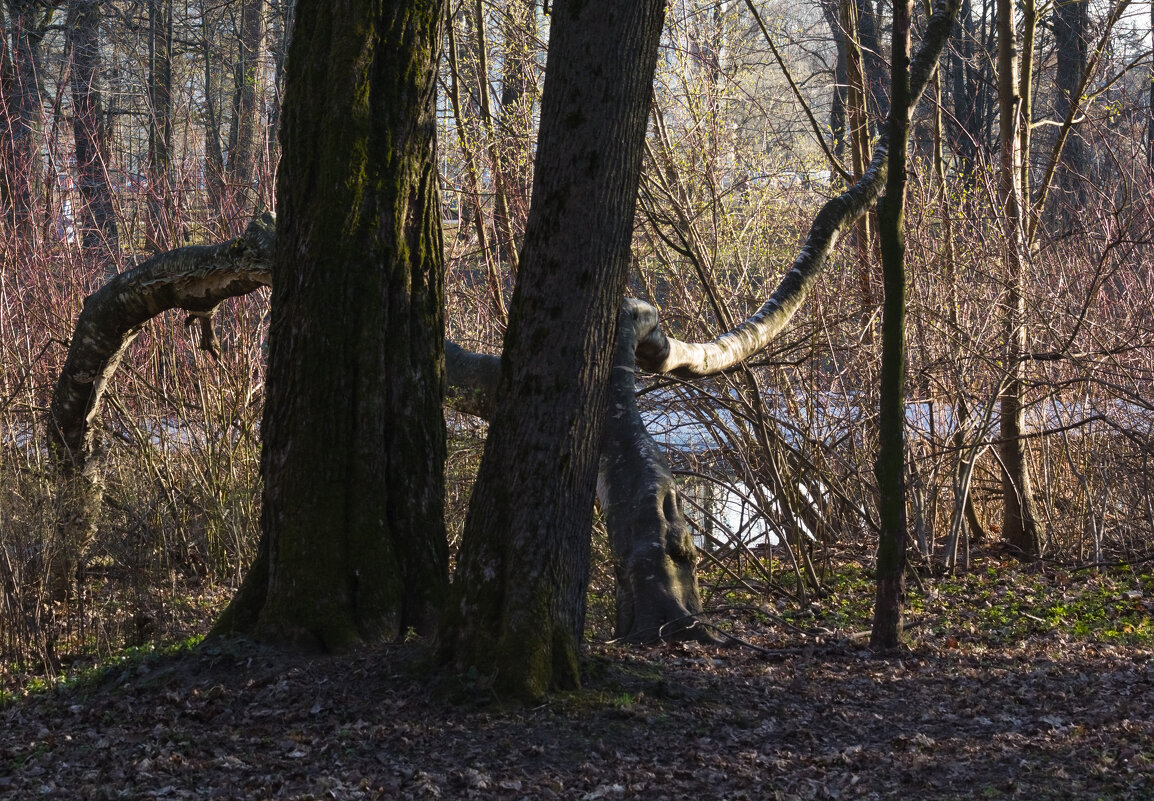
661, 354
196, 278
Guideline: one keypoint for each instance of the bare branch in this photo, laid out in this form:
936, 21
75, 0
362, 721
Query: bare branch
661, 354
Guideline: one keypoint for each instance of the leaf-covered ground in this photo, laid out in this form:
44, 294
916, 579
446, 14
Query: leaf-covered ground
1013, 686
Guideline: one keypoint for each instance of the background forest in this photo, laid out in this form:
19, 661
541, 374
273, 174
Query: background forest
128, 128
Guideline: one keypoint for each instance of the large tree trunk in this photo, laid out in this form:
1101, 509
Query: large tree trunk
89, 129
353, 461
519, 607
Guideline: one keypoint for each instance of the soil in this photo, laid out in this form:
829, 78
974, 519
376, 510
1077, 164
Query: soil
786, 716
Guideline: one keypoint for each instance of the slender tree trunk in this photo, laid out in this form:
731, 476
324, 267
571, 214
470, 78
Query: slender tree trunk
1150, 120
89, 129
858, 128
353, 543
506, 240
280, 28
519, 602
518, 95
1070, 45
1029, 11
831, 10
160, 210
890, 465
1019, 516
213, 151
244, 136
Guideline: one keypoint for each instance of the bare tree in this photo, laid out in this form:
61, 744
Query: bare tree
90, 129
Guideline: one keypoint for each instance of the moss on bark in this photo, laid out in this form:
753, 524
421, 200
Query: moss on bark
353, 432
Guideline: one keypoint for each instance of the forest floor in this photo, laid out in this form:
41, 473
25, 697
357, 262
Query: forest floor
1033, 684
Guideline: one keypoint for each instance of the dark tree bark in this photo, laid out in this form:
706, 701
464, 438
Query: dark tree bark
89, 129
244, 135
831, 10
967, 122
1071, 48
353, 542
214, 175
24, 169
890, 466
519, 598
160, 211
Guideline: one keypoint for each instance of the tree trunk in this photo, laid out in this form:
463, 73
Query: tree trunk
831, 10
160, 210
280, 28
519, 607
353, 543
244, 135
89, 130
24, 176
890, 465
1150, 118
518, 96
213, 150
1019, 518
654, 558
1070, 45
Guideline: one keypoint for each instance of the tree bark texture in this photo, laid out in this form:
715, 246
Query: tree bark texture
519, 607
160, 220
90, 132
890, 466
1019, 516
23, 113
353, 433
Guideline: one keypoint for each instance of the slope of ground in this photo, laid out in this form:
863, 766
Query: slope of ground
1043, 711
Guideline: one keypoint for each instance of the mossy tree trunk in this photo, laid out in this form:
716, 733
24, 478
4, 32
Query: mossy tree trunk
891, 459
519, 600
353, 543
